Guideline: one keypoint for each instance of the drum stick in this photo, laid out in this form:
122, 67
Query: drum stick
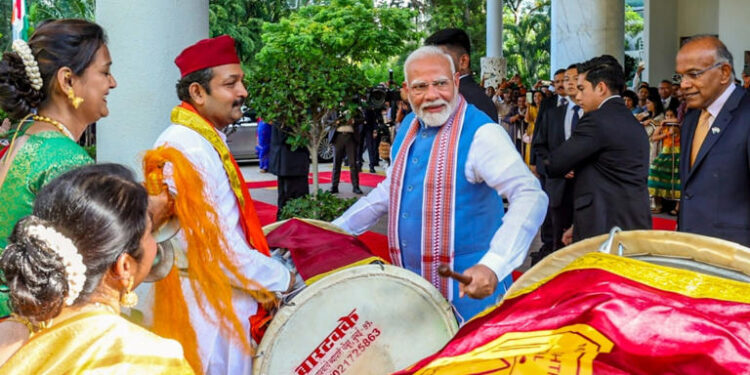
445, 271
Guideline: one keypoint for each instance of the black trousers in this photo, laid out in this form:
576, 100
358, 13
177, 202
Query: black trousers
562, 215
370, 144
345, 142
289, 188
547, 233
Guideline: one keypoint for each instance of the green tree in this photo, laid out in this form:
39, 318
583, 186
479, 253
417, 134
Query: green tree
469, 15
526, 39
312, 60
243, 20
41, 10
526, 30
6, 8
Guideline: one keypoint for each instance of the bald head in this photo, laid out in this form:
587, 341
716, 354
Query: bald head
705, 65
711, 44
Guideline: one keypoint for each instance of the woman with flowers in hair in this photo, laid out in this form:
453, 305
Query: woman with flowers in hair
70, 265
54, 87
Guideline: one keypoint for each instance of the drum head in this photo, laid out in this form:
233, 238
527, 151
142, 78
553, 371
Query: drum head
372, 319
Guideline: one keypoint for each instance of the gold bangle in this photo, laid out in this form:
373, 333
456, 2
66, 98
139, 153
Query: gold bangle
20, 319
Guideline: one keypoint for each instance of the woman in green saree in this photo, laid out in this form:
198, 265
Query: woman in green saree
56, 85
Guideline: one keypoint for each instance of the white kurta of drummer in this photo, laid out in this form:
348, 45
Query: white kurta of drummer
219, 355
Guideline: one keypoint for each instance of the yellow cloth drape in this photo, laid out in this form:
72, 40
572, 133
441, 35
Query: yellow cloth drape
97, 342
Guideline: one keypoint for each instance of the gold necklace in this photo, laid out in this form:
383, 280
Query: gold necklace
62, 128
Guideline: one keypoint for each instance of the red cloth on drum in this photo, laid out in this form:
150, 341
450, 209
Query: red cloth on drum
317, 251
607, 315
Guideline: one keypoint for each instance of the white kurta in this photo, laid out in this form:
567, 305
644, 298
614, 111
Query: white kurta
219, 355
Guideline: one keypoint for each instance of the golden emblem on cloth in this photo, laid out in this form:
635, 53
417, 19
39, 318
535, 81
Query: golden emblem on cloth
567, 350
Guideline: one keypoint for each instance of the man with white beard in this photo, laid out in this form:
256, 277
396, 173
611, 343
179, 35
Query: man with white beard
443, 192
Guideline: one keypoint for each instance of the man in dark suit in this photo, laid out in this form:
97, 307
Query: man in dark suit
608, 153
456, 43
715, 144
665, 94
547, 232
559, 124
290, 167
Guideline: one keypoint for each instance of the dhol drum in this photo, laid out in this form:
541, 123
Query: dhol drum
708, 255
588, 309
367, 319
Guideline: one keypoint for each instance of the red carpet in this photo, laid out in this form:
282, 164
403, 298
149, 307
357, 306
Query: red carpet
660, 223
365, 179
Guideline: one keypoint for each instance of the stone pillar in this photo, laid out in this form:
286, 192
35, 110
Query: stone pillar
582, 29
144, 37
493, 66
660, 39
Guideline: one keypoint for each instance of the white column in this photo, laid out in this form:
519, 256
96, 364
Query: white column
494, 28
660, 39
582, 29
144, 37
493, 65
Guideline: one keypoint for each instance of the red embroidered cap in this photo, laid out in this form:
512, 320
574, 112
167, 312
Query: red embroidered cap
207, 53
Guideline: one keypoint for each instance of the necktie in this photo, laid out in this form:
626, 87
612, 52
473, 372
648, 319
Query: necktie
563, 102
701, 130
574, 121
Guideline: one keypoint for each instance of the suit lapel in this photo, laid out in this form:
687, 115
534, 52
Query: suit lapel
560, 123
718, 128
686, 142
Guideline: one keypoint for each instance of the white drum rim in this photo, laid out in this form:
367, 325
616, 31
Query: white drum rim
695, 247
368, 270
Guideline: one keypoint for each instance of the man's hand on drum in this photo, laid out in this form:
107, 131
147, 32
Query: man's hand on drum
483, 282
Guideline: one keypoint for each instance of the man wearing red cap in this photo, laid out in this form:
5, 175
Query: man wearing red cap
212, 93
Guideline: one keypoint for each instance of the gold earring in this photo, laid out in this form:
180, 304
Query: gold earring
75, 100
129, 298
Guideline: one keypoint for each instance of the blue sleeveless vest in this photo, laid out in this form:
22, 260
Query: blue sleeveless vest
478, 208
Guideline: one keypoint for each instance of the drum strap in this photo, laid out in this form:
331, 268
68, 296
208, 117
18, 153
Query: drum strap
438, 198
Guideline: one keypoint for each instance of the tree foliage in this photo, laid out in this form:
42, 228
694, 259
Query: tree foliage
40, 10
469, 15
243, 20
526, 39
633, 29
526, 31
6, 8
312, 60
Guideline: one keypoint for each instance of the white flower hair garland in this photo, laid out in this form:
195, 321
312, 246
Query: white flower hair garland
75, 270
32, 68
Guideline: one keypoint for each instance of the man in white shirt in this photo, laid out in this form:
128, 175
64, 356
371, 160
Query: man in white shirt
212, 92
443, 196
715, 143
